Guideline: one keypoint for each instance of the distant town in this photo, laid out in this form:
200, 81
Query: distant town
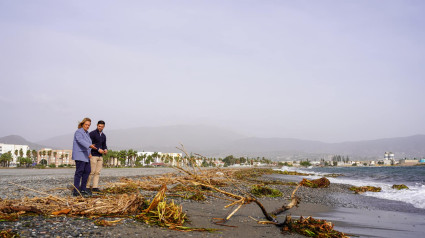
22, 156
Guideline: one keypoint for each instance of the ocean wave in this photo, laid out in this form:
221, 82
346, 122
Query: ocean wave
415, 195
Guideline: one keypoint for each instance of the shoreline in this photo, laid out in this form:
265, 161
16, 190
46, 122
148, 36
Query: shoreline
353, 214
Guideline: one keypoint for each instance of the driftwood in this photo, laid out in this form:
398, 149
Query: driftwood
238, 199
294, 202
14, 209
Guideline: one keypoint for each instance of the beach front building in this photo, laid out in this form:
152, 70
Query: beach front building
49, 156
15, 150
388, 159
408, 162
149, 158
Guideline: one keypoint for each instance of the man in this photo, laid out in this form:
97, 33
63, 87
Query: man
96, 161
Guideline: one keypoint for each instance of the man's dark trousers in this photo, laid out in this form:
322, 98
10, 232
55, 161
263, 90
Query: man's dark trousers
82, 173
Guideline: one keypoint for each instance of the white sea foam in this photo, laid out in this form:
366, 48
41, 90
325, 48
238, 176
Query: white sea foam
415, 195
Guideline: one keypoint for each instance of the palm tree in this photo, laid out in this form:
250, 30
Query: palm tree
115, 156
131, 157
55, 153
149, 160
44, 154
7, 157
49, 153
122, 156
111, 157
155, 155
16, 153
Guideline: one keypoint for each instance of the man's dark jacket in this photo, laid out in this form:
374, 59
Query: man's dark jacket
99, 141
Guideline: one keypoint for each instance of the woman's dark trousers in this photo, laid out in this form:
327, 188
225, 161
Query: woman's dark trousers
82, 173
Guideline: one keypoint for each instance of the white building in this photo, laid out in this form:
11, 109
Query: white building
49, 156
4, 148
389, 158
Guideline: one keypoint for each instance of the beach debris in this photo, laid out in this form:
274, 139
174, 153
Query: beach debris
273, 182
198, 178
17, 209
293, 203
311, 227
166, 214
399, 186
111, 205
243, 174
333, 175
219, 174
124, 199
62, 212
264, 191
162, 213
122, 188
9, 217
103, 222
8, 234
316, 183
362, 189
285, 172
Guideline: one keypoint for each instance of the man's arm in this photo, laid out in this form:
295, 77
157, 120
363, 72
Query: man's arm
105, 148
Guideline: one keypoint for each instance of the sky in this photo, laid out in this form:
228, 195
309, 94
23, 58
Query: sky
330, 71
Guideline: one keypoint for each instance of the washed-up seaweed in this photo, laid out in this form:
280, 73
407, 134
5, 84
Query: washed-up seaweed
316, 183
311, 227
399, 186
103, 222
8, 234
264, 191
273, 182
285, 172
364, 189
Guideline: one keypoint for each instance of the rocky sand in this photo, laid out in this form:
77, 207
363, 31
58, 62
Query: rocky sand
328, 203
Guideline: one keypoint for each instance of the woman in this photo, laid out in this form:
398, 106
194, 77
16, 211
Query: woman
81, 148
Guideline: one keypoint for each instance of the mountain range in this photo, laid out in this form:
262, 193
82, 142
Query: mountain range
219, 142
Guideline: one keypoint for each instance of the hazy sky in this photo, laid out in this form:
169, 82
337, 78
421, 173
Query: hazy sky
322, 70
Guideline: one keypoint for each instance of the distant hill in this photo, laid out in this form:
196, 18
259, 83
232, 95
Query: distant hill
19, 140
219, 142
165, 139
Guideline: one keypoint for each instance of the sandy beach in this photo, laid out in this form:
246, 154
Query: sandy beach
353, 214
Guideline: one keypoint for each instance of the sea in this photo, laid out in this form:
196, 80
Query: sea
384, 177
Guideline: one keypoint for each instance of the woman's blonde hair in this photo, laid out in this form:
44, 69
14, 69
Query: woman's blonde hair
80, 125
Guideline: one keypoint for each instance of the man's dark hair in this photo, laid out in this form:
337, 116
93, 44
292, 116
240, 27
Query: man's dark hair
101, 122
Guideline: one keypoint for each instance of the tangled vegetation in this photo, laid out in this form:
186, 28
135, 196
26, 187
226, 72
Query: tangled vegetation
399, 186
8, 234
316, 183
363, 189
311, 227
264, 191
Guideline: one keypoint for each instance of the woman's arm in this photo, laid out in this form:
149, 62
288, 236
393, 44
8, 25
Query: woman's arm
79, 138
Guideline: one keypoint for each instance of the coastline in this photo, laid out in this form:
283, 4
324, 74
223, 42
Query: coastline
351, 213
